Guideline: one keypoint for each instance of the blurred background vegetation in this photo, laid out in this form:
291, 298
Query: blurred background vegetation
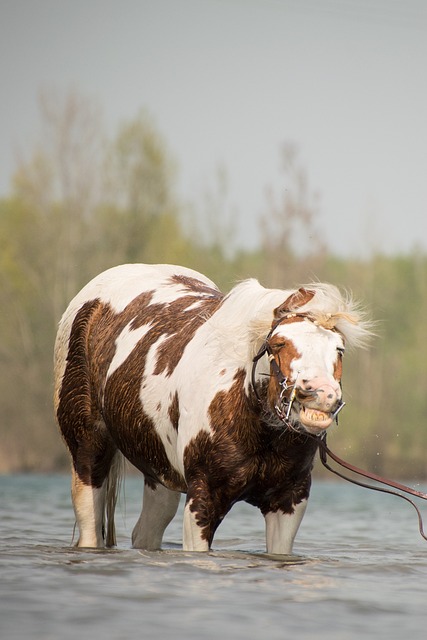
82, 202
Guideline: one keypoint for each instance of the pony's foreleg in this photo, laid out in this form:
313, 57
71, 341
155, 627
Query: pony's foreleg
204, 511
89, 506
158, 509
281, 528
193, 538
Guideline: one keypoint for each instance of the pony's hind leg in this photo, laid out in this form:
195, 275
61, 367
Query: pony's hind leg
89, 507
78, 412
158, 509
94, 499
94, 488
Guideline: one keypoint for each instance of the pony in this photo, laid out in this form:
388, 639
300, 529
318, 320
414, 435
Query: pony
220, 397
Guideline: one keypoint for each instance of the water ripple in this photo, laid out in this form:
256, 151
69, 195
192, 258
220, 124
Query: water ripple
348, 580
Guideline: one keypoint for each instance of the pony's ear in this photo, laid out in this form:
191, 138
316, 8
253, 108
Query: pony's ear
293, 302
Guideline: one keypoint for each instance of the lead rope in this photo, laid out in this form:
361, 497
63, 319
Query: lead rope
324, 451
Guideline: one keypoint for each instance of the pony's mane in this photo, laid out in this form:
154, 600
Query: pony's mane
249, 312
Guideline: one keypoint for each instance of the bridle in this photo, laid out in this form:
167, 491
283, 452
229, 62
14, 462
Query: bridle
266, 349
283, 409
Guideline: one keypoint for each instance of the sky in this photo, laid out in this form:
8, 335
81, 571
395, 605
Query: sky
229, 82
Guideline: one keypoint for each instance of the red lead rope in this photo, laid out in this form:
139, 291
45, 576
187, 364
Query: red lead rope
325, 452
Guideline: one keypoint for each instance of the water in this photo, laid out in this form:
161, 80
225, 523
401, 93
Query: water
360, 571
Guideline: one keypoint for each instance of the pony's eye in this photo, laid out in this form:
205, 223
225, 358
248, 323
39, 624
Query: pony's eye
341, 351
279, 345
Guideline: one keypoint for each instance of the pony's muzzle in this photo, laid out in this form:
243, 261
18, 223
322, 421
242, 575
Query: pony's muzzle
319, 393
304, 394
319, 401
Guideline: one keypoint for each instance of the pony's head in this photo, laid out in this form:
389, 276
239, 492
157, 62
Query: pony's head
305, 346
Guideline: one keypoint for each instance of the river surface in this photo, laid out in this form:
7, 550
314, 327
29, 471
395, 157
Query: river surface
360, 571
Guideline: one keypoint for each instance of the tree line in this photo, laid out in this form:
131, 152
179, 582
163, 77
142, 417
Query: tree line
82, 201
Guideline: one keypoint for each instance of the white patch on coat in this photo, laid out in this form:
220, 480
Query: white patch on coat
197, 303
125, 344
156, 395
197, 380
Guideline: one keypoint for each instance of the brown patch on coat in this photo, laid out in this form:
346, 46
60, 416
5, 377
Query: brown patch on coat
194, 285
285, 353
243, 458
173, 411
338, 367
181, 323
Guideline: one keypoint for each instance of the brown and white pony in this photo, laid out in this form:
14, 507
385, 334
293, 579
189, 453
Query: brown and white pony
215, 396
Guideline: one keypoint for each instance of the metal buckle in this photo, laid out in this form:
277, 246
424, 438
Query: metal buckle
284, 402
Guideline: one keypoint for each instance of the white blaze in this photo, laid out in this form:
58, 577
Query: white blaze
317, 346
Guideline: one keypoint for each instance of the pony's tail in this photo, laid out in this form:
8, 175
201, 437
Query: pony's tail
114, 481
